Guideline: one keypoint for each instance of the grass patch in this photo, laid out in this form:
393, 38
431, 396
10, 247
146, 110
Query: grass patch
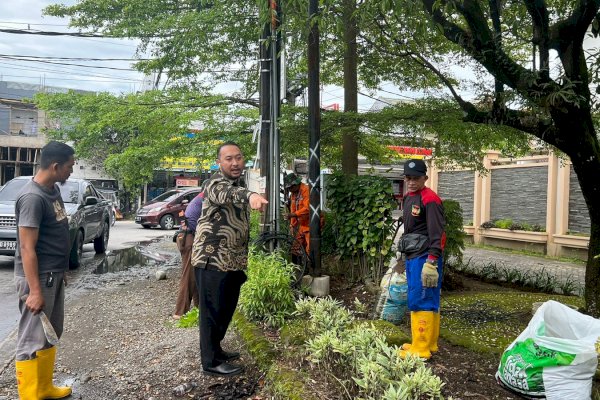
489, 322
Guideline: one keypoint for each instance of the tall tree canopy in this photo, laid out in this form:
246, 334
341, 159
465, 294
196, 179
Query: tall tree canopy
547, 96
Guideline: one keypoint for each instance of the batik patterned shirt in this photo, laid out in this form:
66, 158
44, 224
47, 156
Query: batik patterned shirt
222, 233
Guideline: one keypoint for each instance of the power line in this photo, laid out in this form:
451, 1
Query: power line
31, 23
61, 71
71, 64
74, 58
68, 79
51, 33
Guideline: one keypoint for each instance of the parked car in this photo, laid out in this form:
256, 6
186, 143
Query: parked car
88, 215
164, 209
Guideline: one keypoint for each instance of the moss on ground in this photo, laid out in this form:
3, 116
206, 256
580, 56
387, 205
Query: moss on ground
489, 322
394, 336
294, 332
282, 382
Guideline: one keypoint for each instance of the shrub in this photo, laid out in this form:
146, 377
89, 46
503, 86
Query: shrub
512, 225
455, 235
189, 319
360, 359
363, 224
503, 223
267, 296
254, 224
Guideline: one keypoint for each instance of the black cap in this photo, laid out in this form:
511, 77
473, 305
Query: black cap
415, 168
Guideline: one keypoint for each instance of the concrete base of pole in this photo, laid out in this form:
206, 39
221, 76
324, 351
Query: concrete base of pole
317, 286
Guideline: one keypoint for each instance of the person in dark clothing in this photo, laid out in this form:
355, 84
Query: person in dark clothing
185, 239
220, 256
41, 260
423, 217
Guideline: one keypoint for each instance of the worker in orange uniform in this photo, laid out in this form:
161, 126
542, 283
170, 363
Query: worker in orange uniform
299, 215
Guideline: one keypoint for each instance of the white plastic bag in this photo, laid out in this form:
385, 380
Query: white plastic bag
554, 357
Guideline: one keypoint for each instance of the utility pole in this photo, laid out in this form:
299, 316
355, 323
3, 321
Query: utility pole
314, 122
274, 142
265, 113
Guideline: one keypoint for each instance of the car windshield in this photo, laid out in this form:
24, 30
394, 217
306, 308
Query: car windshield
68, 191
166, 196
10, 191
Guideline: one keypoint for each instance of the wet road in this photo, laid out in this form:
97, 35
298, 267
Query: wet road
123, 235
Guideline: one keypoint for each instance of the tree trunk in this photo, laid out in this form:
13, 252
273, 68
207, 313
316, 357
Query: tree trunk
587, 175
349, 137
584, 150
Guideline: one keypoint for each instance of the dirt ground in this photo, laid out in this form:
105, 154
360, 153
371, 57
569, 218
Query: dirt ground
120, 343
466, 374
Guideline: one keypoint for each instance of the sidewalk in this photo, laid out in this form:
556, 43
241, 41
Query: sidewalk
563, 271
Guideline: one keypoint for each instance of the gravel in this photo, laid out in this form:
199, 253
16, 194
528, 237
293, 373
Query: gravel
121, 343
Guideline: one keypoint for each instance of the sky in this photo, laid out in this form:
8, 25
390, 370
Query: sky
28, 14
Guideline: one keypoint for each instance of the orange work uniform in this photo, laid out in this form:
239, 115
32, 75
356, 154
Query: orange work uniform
300, 205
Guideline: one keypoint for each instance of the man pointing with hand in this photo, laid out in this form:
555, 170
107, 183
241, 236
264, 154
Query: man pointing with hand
423, 217
220, 256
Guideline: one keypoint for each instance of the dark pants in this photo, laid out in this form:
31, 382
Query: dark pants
218, 294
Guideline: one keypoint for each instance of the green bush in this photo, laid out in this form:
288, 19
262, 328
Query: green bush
363, 224
512, 225
189, 319
267, 296
328, 235
504, 223
455, 235
254, 224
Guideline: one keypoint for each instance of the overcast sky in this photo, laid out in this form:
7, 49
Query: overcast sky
24, 14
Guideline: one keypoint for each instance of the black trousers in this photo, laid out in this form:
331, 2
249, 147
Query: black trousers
218, 293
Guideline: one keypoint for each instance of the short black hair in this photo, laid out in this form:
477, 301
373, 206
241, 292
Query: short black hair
55, 152
228, 143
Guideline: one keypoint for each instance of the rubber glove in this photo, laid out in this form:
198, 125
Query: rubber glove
429, 275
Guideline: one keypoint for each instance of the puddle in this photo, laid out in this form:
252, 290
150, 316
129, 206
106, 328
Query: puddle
122, 260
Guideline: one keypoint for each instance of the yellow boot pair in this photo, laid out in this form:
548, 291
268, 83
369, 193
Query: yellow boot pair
425, 329
34, 377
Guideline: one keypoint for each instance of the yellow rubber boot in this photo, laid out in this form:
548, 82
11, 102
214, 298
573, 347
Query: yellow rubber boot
46, 389
27, 379
421, 326
433, 346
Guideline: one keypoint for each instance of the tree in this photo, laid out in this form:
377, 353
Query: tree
131, 134
547, 97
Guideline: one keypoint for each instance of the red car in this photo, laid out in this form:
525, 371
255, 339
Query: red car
164, 210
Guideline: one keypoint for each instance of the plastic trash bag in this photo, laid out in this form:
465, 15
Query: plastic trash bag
393, 301
554, 357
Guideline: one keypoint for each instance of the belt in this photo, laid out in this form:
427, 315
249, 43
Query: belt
209, 267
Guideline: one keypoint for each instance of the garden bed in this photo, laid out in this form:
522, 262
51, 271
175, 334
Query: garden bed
478, 322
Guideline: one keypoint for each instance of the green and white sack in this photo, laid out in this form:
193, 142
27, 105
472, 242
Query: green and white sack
554, 357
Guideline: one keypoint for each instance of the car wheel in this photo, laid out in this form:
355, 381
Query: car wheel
167, 222
76, 251
101, 242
